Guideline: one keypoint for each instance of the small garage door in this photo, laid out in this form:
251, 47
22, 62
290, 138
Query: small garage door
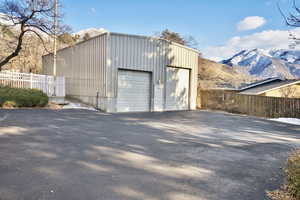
133, 91
177, 89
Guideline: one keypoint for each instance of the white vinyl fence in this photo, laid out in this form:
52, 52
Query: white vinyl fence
48, 84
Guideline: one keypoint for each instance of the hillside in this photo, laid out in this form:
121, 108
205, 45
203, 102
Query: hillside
30, 57
267, 63
216, 75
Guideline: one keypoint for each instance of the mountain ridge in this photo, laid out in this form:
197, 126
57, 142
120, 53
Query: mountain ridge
283, 63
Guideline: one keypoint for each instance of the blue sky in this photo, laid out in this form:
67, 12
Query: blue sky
211, 22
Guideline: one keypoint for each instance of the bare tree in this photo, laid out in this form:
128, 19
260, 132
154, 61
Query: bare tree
292, 19
34, 17
172, 36
86, 36
67, 39
288, 92
189, 41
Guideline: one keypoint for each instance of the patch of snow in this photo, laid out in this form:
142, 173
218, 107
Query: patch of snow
4, 20
72, 105
293, 121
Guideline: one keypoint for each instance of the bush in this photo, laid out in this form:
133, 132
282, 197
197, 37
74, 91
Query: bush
17, 97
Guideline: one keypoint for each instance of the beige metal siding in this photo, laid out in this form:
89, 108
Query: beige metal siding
183, 57
135, 53
84, 67
149, 54
93, 65
133, 91
177, 88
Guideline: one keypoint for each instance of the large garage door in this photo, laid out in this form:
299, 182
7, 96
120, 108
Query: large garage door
133, 91
177, 89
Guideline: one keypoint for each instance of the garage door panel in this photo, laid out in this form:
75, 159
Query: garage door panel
177, 89
133, 91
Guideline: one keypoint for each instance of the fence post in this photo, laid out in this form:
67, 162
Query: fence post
31, 81
46, 85
97, 100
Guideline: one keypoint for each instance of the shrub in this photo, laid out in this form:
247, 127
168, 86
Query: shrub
22, 97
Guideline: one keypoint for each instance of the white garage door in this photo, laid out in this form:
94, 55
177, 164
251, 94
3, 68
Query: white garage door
177, 89
133, 91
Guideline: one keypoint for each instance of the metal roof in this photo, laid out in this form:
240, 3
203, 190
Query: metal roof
261, 82
260, 89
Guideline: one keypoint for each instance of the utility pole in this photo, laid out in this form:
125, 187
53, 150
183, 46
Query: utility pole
55, 44
55, 36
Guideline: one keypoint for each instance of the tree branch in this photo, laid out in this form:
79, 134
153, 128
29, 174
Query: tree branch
41, 39
16, 51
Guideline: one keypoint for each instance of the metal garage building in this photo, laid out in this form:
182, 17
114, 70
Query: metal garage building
128, 73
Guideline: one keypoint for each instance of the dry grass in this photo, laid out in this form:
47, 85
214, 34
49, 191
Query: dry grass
281, 194
54, 106
291, 189
216, 75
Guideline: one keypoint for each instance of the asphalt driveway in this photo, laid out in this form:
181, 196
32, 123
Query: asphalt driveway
77, 154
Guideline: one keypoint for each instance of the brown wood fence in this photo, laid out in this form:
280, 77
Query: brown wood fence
249, 104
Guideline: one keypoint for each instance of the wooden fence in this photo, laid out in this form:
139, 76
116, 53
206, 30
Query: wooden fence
249, 104
48, 84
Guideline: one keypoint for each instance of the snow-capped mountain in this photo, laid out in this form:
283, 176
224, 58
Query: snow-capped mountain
4, 20
266, 64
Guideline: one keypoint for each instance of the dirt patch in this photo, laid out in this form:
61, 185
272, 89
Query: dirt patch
53, 106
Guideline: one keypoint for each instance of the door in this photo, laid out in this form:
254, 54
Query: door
134, 91
177, 89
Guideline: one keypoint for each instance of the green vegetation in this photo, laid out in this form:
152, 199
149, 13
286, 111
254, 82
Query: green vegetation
16, 98
291, 190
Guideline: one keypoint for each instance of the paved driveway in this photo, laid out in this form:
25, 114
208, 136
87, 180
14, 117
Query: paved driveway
75, 154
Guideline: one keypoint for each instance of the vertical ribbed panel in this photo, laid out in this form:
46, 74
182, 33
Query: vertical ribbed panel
92, 65
135, 53
148, 54
83, 65
180, 56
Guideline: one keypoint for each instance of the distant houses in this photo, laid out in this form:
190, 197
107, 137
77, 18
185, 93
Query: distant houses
273, 87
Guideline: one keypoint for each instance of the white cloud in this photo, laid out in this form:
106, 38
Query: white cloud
270, 39
93, 10
251, 23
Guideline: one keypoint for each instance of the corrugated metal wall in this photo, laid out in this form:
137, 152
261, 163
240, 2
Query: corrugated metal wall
180, 56
92, 66
148, 54
135, 53
84, 67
